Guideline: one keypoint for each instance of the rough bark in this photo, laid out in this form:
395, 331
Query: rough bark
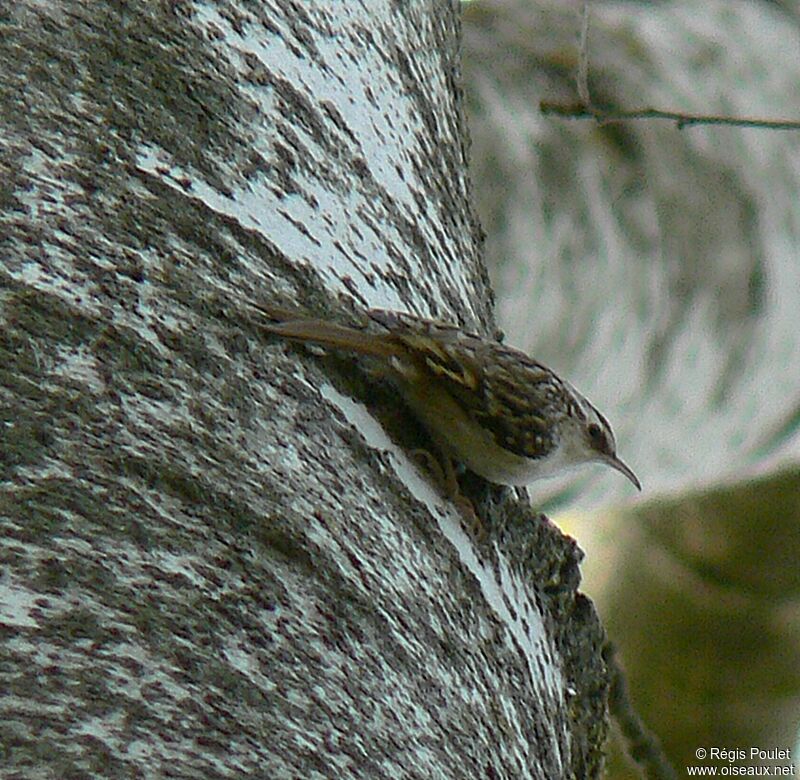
214, 561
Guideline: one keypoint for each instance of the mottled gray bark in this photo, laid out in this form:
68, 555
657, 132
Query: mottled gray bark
216, 563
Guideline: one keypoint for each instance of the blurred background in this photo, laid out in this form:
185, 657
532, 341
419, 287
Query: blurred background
659, 270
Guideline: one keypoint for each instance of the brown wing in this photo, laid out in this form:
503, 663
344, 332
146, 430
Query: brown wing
501, 388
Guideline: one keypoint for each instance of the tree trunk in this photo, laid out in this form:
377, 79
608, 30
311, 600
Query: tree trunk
215, 560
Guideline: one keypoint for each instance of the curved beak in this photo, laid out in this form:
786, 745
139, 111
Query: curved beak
616, 463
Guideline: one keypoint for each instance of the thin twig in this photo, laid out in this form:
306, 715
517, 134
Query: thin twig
583, 57
642, 745
584, 111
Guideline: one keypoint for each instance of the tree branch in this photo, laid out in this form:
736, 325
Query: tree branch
583, 57
582, 111
641, 744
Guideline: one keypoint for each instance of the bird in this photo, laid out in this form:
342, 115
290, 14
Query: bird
488, 406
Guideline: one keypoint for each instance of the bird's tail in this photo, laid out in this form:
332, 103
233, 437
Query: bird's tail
327, 334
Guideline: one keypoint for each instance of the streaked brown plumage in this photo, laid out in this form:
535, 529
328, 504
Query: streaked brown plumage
502, 414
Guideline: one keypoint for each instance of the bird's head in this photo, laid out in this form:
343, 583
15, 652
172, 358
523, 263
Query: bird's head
601, 445
587, 437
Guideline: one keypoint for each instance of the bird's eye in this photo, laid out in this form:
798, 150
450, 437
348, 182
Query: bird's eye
599, 441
